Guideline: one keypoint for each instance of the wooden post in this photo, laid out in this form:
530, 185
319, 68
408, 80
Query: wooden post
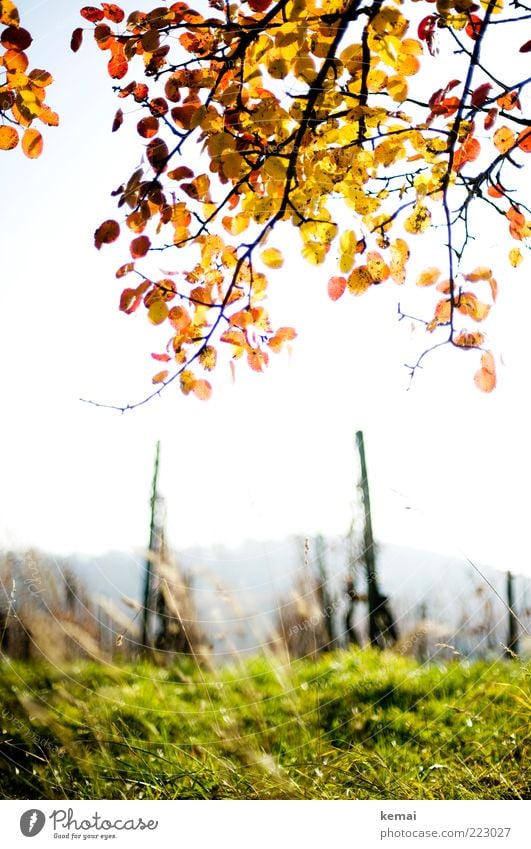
146, 607
512, 638
382, 628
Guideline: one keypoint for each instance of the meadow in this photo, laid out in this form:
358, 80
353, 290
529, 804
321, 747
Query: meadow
348, 725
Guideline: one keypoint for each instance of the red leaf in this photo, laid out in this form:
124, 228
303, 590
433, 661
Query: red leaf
161, 358
426, 27
90, 13
525, 48
148, 127
157, 153
336, 287
103, 36
113, 13
490, 119
118, 120
140, 246
76, 40
140, 92
480, 95
106, 233
16, 38
259, 5
473, 28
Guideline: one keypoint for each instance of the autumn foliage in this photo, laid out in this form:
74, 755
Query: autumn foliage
259, 116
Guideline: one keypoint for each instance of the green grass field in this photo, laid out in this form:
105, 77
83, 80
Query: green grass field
350, 725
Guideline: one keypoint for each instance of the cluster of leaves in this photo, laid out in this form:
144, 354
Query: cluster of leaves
22, 92
258, 115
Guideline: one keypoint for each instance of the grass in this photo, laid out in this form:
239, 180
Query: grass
349, 725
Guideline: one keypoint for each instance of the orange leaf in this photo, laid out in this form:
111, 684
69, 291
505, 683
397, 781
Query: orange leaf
125, 269
118, 65
469, 305
509, 101
524, 140
282, 335
106, 233
160, 377
8, 138
104, 37
148, 127
469, 340
161, 358
485, 378
257, 359
443, 313
202, 390
336, 287
139, 246
32, 144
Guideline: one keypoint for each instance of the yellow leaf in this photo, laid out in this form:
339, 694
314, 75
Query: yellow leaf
346, 261
377, 267
397, 88
158, 312
348, 242
515, 257
419, 220
187, 381
8, 13
315, 252
160, 377
272, 257
504, 139
359, 280
428, 277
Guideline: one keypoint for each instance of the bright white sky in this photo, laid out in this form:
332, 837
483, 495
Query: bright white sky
274, 453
